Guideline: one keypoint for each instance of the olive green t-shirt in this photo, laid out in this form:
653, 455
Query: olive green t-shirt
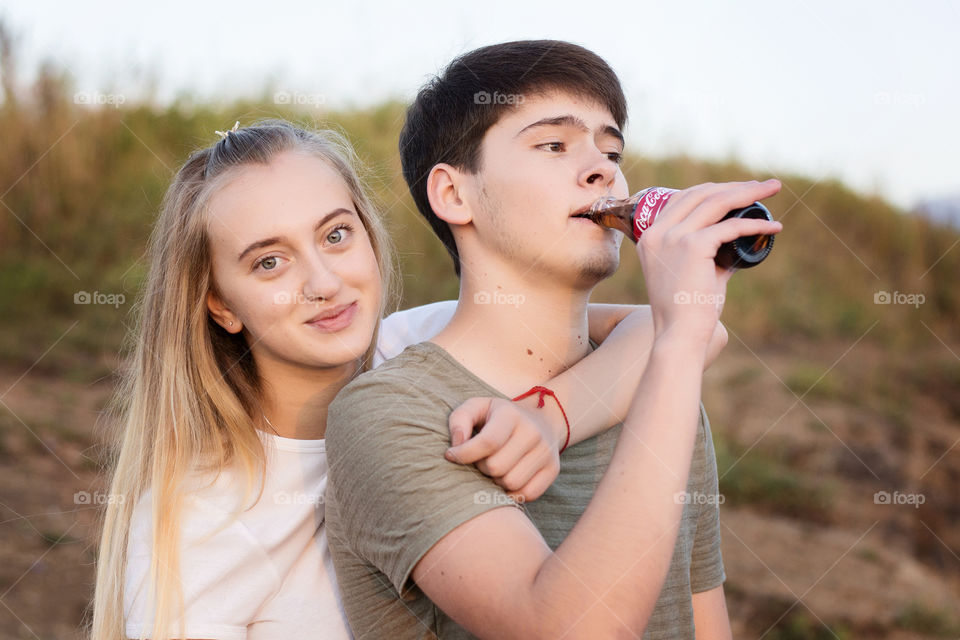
392, 495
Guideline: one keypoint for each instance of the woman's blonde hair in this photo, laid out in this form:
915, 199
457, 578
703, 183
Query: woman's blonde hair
192, 389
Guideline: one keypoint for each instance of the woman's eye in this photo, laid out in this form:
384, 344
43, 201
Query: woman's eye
339, 234
553, 146
267, 264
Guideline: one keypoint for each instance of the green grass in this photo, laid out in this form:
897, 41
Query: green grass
799, 625
83, 214
766, 482
924, 619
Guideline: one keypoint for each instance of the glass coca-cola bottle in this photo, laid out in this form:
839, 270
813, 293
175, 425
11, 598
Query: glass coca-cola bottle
635, 214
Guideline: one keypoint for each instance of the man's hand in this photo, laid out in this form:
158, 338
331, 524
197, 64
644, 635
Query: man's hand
685, 286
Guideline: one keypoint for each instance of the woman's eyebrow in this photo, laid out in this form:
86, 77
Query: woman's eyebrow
266, 242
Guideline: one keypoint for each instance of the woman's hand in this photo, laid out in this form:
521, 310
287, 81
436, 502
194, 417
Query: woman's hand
517, 444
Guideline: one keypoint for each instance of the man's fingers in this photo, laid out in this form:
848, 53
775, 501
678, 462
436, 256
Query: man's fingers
705, 204
734, 228
718, 204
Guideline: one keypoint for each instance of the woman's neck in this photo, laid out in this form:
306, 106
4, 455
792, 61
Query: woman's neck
294, 402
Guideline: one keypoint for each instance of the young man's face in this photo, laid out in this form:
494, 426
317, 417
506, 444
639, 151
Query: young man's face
540, 163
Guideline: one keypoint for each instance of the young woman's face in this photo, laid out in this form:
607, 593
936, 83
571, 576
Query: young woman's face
292, 264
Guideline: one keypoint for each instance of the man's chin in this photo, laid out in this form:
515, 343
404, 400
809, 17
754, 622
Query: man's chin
598, 267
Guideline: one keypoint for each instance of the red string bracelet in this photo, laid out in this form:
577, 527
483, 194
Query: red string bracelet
543, 391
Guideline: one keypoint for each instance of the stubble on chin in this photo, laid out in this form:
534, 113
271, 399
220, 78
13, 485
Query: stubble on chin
589, 270
595, 268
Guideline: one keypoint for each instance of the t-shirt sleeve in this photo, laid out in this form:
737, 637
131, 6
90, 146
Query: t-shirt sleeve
412, 326
706, 564
226, 577
395, 494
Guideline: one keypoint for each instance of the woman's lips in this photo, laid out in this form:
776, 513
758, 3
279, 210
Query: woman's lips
336, 322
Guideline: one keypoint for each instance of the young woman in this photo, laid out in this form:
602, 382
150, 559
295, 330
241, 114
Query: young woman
269, 271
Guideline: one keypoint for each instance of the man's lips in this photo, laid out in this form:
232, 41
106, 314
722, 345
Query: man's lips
582, 211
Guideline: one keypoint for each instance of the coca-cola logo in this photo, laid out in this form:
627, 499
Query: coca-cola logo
651, 203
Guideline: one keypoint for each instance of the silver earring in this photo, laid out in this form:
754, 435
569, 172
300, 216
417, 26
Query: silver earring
231, 323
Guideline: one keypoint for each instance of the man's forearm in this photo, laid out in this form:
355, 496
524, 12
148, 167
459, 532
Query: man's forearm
597, 391
606, 576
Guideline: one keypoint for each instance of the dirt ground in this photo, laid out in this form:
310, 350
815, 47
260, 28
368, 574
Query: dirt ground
860, 569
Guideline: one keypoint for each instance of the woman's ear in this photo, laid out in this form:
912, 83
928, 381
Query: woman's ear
221, 314
445, 186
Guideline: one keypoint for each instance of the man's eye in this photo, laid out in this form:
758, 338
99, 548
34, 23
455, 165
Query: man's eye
615, 156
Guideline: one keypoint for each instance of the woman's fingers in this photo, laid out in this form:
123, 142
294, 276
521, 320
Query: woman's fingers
537, 485
495, 432
505, 460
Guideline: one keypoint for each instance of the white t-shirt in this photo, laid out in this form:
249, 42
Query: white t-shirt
268, 574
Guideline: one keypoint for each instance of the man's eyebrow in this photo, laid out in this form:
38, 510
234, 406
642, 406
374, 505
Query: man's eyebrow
571, 121
266, 242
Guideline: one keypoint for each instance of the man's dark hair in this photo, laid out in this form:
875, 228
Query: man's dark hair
451, 114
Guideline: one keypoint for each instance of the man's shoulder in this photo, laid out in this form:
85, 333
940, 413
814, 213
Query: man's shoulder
407, 390
411, 368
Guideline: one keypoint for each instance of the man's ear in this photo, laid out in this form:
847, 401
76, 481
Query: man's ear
445, 186
221, 314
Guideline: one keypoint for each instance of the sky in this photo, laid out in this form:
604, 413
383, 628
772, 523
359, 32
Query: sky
867, 92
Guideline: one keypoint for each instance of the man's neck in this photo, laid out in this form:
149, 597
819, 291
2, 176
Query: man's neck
514, 334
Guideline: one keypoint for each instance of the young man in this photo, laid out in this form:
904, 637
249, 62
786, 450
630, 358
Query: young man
499, 152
